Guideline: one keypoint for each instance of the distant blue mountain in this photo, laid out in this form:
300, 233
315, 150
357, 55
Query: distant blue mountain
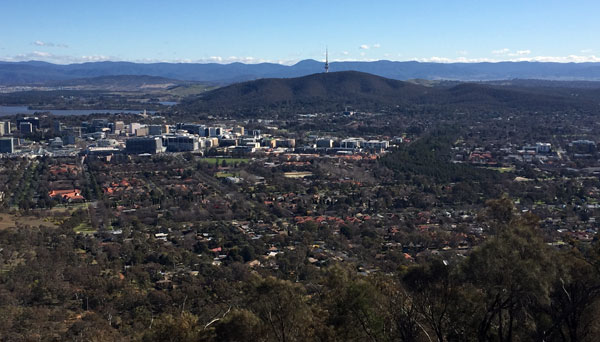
35, 72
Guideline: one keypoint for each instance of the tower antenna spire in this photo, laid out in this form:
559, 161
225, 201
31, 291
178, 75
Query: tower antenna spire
326, 60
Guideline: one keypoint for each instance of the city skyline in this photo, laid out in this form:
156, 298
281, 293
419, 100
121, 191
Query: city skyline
433, 31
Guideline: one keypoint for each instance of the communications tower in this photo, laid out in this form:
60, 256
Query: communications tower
326, 61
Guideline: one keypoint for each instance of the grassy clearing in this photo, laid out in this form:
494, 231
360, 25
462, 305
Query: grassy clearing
224, 174
69, 207
187, 90
11, 220
84, 228
503, 169
300, 174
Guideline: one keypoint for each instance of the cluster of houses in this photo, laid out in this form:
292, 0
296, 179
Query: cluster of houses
63, 185
542, 153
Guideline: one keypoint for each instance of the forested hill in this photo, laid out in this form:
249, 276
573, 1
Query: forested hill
334, 91
333, 87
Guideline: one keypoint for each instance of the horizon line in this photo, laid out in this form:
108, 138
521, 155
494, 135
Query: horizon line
433, 60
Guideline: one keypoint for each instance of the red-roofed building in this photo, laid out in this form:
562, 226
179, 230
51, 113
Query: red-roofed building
69, 195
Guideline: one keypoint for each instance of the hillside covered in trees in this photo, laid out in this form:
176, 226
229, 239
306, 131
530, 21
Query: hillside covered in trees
513, 287
326, 92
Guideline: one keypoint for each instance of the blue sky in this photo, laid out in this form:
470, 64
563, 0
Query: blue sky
288, 31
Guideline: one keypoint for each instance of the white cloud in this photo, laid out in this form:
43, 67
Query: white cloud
555, 59
516, 56
462, 52
49, 44
436, 59
41, 54
58, 59
95, 58
364, 47
363, 54
586, 51
354, 60
507, 52
230, 59
523, 52
501, 51
376, 46
69, 59
566, 59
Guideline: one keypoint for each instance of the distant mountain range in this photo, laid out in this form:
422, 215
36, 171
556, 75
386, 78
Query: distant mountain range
37, 73
335, 90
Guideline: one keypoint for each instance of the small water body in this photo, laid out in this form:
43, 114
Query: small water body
168, 103
13, 110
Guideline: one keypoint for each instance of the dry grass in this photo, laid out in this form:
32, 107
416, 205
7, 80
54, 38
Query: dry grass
11, 220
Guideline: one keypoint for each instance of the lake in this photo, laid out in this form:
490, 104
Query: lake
12, 110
